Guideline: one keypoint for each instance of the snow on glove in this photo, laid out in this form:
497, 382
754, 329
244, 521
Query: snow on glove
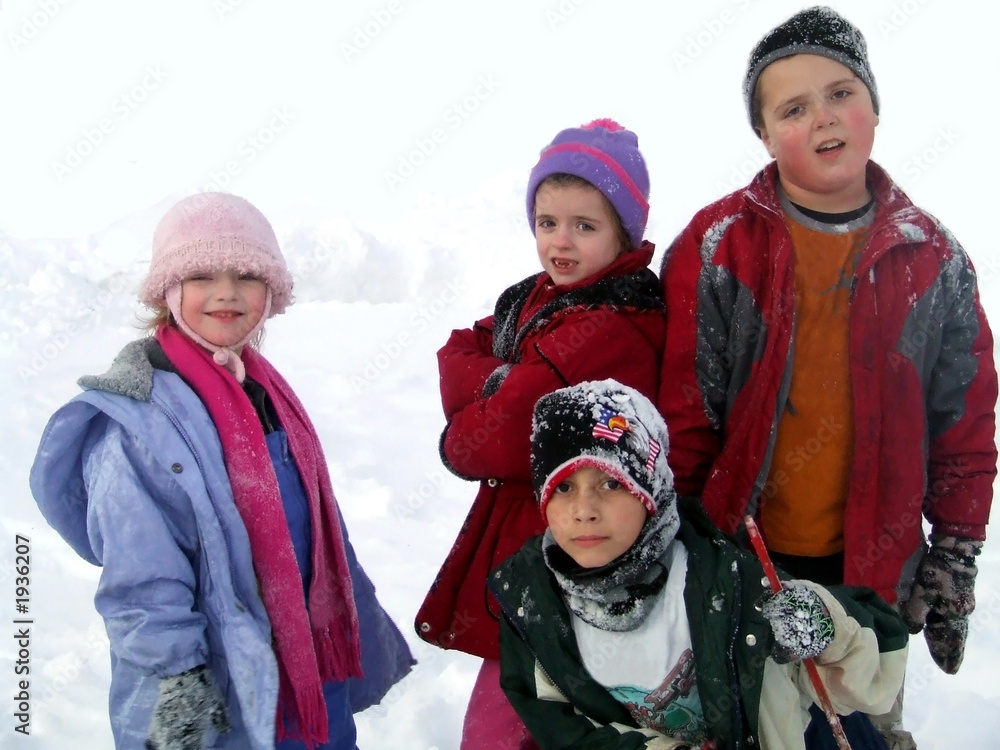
943, 597
800, 621
188, 702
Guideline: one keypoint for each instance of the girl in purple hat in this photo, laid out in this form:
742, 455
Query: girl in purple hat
595, 311
237, 612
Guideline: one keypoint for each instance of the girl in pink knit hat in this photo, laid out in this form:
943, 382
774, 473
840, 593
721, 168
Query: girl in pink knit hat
238, 614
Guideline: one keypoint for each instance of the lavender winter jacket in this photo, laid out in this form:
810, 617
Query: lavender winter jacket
132, 465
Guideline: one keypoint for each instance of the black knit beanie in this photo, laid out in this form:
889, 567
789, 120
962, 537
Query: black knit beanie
608, 426
815, 31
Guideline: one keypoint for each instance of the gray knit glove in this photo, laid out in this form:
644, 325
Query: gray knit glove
801, 623
942, 598
188, 702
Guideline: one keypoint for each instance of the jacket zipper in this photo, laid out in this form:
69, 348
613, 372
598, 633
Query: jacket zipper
734, 681
201, 469
538, 662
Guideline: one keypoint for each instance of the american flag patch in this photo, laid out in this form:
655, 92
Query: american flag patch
610, 425
654, 451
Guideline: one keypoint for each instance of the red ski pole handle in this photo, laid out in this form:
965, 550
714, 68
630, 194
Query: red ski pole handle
817, 682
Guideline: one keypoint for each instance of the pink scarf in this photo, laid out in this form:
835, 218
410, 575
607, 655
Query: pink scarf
312, 646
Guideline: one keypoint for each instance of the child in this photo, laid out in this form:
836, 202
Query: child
831, 369
595, 311
237, 612
634, 623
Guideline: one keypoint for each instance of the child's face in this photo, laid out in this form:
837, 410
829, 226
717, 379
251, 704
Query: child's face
593, 517
819, 125
576, 232
222, 307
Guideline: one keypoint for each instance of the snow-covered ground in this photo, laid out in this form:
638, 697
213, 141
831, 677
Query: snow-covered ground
385, 269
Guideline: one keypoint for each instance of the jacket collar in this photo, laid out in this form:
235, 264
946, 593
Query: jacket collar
763, 190
624, 264
131, 372
897, 220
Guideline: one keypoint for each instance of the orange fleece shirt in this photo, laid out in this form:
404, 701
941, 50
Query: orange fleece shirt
802, 505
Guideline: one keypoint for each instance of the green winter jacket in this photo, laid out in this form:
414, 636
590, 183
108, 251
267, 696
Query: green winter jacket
564, 707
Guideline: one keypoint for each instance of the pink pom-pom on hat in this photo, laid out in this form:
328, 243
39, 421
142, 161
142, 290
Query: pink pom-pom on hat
211, 232
604, 122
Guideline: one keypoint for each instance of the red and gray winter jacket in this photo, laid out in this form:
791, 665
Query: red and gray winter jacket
923, 378
540, 338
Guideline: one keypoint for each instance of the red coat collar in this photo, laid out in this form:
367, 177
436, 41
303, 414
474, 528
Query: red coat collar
624, 264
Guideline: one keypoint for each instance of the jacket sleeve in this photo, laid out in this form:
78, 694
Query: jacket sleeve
147, 585
464, 363
961, 410
550, 718
863, 667
491, 436
693, 380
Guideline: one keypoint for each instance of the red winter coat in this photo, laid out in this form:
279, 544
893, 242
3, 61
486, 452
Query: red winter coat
540, 338
922, 374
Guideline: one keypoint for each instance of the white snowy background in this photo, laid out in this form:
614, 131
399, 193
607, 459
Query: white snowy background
389, 142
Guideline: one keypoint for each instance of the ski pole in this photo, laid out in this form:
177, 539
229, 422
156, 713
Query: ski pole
824, 698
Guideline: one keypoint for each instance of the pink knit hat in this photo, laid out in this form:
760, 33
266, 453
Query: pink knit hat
215, 232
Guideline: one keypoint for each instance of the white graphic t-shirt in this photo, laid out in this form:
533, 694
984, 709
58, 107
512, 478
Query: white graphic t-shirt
650, 670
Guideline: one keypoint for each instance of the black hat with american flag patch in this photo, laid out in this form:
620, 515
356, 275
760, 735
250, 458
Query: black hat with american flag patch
608, 426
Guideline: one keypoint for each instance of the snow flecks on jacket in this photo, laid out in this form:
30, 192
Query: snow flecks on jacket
912, 232
924, 410
714, 235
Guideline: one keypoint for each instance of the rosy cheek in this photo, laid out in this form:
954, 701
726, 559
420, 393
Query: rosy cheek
795, 152
862, 122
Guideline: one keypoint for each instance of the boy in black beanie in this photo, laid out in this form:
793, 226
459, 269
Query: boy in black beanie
632, 622
829, 368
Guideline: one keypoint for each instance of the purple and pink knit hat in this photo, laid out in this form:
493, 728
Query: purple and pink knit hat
214, 232
606, 155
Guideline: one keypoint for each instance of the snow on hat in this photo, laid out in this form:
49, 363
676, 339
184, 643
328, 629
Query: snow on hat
607, 156
815, 31
214, 232
605, 425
